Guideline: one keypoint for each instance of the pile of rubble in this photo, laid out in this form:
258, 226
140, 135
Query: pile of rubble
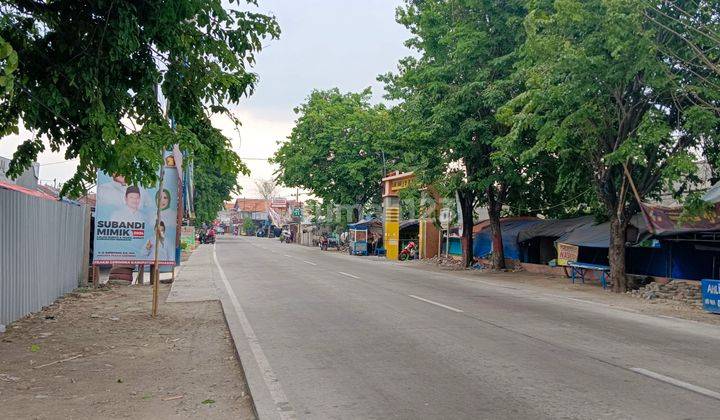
452, 263
681, 291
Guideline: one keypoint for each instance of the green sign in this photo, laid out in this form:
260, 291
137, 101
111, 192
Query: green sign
297, 213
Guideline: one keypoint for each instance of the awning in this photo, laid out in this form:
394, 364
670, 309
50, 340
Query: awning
598, 235
553, 228
482, 242
668, 221
365, 224
713, 194
408, 223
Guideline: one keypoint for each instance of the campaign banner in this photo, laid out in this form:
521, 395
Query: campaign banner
125, 217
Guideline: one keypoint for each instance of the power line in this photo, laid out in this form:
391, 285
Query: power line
57, 163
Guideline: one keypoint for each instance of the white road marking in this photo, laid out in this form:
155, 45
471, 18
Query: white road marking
436, 303
349, 275
308, 262
289, 256
271, 381
672, 381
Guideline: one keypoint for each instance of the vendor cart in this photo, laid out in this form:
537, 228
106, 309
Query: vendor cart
358, 241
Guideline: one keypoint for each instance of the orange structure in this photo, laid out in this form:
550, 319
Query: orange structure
429, 234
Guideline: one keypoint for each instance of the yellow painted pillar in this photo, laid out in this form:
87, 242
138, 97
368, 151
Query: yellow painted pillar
392, 227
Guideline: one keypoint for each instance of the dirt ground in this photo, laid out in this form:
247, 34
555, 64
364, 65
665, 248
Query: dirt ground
590, 291
99, 354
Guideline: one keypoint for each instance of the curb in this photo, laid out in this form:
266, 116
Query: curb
263, 404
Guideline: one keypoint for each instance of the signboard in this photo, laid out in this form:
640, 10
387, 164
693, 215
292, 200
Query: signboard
125, 218
399, 184
711, 295
444, 218
567, 253
297, 213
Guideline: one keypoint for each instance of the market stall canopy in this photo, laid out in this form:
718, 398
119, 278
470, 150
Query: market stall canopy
553, 228
598, 235
482, 243
668, 221
713, 194
366, 224
409, 223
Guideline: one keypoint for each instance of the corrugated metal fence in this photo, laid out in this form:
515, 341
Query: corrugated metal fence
41, 252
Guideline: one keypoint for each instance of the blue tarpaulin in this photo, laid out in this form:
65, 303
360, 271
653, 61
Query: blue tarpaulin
482, 242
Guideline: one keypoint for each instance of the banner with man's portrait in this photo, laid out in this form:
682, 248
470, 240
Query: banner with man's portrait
125, 217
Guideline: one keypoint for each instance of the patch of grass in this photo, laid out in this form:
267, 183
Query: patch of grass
34, 348
208, 402
147, 397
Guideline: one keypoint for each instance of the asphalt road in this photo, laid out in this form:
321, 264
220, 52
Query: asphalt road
356, 338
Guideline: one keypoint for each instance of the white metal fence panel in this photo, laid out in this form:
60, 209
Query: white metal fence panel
41, 252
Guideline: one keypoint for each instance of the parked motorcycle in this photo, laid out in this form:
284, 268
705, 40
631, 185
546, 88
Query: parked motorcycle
408, 253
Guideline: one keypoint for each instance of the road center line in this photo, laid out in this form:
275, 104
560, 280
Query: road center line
436, 303
678, 383
349, 275
308, 262
271, 381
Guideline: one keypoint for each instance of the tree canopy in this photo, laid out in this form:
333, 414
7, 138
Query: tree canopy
88, 73
604, 97
450, 95
337, 147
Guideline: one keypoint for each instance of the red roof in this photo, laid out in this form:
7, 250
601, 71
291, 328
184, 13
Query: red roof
251, 205
34, 193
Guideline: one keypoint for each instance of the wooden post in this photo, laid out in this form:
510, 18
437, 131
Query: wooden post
155, 269
141, 275
86, 249
96, 276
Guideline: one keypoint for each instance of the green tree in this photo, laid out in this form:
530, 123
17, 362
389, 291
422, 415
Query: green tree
693, 26
8, 65
215, 175
336, 149
248, 226
604, 98
86, 70
451, 94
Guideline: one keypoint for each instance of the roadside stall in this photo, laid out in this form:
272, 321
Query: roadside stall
358, 241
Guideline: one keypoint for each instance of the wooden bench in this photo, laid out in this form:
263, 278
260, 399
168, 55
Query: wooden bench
580, 269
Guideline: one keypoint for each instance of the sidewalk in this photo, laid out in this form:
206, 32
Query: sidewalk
99, 354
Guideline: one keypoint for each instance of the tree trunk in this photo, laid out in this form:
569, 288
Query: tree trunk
494, 208
616, 254
467, 200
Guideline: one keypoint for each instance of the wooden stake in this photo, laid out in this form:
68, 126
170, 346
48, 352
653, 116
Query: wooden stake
156, 270
96, 276
140, 280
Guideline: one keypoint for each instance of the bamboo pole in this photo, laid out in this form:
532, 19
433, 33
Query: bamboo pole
156, 267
